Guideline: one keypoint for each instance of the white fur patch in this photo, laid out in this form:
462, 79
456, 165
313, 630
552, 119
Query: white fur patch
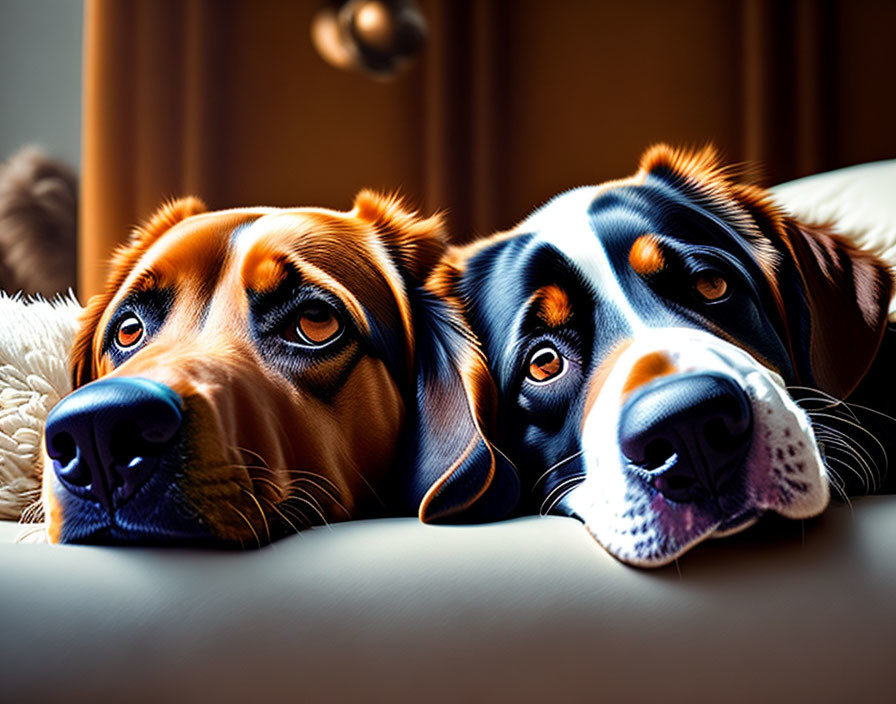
35, 339
635, 522
564, 223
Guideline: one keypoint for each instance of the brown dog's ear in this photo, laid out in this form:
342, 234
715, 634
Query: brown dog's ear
454, 472
82, 359
416, 244
846, 294
450, 471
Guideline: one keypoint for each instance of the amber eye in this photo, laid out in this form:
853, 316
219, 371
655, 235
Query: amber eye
545, 364
317, 324
711, 285
129, 332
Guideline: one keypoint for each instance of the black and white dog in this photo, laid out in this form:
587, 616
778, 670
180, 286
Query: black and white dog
648, 338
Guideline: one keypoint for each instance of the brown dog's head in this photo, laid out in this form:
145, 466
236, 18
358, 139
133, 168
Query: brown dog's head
249, 372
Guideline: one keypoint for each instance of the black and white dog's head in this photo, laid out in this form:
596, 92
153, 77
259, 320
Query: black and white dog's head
643, 335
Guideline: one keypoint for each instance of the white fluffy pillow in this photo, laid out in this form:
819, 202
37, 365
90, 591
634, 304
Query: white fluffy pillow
35, 337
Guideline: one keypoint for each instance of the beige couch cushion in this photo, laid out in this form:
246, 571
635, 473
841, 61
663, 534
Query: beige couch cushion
526, 610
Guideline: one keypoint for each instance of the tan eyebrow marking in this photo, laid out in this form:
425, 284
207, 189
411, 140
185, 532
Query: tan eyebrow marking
264, 273
552, 305
646, 255
649, 367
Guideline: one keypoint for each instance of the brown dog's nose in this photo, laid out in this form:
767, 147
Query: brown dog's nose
107, 438
692, 431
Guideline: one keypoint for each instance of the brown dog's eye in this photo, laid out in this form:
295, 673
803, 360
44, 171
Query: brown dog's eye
317, 324
129, 332
545, 364
711, 286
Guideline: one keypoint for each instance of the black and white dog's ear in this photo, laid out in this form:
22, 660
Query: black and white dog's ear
833, 296
449, 470
841, 305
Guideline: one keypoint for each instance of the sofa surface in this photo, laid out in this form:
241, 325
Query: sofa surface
525, 610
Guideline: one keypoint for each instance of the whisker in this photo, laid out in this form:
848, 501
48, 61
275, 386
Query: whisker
251, 453
843, 464
28, 532
282, 515
829, 434
840, 406
837, 483
311, 497
834, 402
555, 466
836, 440
865, 477
872, 410
298, 472
297, 513
248, 522
564, 487
368, 485
264, 480
504, 455
293, 489
264, 519
311, 506
865, 431
324, 491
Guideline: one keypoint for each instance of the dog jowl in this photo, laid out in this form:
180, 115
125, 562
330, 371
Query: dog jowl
644, 336
250, 372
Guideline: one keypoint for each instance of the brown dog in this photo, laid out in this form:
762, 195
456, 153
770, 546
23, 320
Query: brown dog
249, 372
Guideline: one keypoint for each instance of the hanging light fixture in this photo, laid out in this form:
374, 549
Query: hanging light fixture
377, 37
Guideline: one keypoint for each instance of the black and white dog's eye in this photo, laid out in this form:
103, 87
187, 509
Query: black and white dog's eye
710, 285
129, 332
545, 364
316, 324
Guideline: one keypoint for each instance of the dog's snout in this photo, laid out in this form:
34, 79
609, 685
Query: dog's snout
691, 431
106, 438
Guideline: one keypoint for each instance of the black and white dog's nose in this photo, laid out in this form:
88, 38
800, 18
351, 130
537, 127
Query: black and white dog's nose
106, 438
692, 431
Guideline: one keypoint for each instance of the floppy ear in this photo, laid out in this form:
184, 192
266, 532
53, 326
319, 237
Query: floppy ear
457, 474
833, 295
451, 472
83, 362
841, 305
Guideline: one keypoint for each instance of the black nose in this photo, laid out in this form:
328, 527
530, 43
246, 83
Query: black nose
692, 431
106, 438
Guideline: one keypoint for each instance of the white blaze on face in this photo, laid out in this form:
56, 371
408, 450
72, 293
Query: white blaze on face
565, 223
783, 470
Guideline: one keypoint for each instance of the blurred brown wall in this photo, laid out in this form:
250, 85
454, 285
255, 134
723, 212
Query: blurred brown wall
511, 102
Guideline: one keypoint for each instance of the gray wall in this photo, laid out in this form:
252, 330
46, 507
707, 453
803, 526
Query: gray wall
40, 76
